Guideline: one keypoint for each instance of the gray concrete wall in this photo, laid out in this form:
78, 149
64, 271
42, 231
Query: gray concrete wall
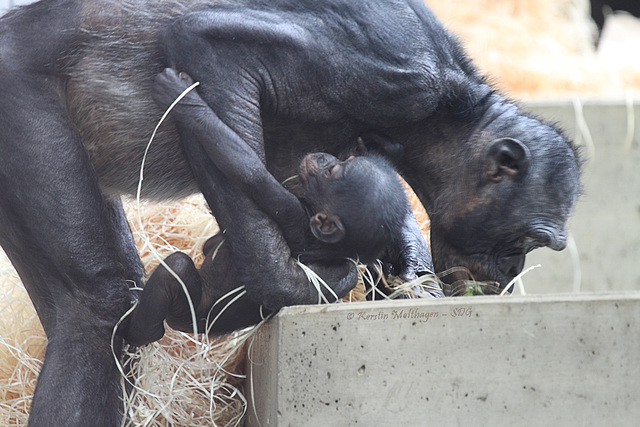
606, 224
469, 361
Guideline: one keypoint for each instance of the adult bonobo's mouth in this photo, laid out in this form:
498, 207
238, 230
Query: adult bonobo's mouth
489, 272
482, 273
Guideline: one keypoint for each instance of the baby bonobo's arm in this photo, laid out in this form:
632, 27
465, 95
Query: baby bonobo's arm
232, 156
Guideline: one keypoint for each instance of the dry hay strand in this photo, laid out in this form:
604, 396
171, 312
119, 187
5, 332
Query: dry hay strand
169, 227
182, 380
22, 347
185, 380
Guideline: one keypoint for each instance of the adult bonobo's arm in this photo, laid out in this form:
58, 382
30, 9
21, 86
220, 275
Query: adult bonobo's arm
255, 253
281, 69
232, 155
407, 254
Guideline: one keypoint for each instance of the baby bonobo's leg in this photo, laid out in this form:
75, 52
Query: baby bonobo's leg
220, 305
164, 298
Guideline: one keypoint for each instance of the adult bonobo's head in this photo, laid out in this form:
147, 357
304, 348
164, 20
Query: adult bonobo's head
357, 205
500, 184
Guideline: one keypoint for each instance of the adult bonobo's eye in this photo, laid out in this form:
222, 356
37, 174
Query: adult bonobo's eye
511, 265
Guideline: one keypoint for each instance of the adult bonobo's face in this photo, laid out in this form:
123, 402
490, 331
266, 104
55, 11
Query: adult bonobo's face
507, 188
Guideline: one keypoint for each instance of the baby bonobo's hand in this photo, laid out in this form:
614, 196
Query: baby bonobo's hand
169, 84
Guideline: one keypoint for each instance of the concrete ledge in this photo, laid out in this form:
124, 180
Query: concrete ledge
534, 360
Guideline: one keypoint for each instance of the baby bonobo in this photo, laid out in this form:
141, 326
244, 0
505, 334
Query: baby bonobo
336, 210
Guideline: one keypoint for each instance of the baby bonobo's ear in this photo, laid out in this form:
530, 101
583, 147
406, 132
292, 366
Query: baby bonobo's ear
327, 227
380, 144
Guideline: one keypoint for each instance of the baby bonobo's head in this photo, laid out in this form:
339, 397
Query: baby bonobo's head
356, 205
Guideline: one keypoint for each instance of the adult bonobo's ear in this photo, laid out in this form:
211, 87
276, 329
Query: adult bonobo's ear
327, 227
507, 157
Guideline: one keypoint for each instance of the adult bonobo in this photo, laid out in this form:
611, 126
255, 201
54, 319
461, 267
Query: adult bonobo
289, 77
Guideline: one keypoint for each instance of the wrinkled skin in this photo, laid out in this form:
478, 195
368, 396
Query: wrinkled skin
289, 77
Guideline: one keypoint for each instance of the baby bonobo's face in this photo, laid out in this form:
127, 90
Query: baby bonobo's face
330, 185
317, 170
361, 195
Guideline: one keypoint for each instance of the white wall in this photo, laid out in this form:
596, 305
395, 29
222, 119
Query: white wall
5, 5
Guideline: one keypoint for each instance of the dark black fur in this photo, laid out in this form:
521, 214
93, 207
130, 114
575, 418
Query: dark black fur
289, 77
347, 209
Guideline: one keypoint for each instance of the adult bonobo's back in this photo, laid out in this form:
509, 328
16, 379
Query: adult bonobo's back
287, 76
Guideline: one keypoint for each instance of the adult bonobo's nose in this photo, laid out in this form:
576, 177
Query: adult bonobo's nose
556, 240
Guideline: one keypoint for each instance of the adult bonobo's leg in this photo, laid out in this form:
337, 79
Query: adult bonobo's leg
126, 246
58, 235
57, 231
